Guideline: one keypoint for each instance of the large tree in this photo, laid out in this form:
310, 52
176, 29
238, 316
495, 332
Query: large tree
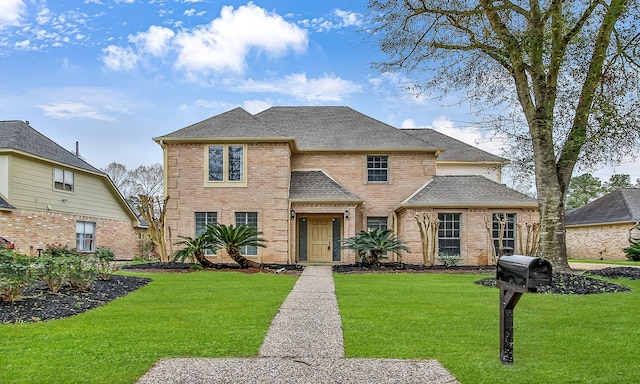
565, 70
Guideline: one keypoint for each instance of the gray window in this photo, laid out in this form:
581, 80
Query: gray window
377, 222
449, 233
226, 163
202, 219
216, 163
377, 168
250, 219
235, 162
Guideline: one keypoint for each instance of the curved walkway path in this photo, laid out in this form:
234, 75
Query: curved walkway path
304, 344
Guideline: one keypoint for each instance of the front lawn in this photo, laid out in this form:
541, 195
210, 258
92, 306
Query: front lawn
558, 338
200, 314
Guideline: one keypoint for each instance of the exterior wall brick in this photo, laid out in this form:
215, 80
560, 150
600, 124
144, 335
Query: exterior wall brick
267, 193
33, 230
598, 242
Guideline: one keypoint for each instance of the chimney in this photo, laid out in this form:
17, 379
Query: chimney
77, 149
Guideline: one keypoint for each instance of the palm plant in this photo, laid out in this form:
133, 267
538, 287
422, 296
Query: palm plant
194, 249
232, 239
371, 245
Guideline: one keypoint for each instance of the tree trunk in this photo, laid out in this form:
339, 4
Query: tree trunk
203, 261
243, 261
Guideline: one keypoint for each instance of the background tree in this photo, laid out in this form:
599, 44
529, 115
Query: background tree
153, 209
565, 70
582, 190
145, 180
618, 181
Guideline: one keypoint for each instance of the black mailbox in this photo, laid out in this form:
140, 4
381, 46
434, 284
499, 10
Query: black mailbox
524, 271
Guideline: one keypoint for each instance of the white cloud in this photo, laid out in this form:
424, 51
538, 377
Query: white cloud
348, 18
44, 16
119, 59
224, 44
189, 12
256, 106
470, 135
344, 19
327, 88
24, 44
72, 110
408, 123
155, 41
11, 12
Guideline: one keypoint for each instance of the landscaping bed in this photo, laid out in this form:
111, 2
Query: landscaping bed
38, 304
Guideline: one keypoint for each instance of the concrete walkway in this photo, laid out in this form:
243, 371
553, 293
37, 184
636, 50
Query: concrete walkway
593, 266
304, 344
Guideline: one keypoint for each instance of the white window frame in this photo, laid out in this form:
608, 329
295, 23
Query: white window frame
85, 241
243, 218
377, 159
63, 180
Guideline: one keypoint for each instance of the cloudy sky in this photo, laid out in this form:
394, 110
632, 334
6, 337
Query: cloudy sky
113, 74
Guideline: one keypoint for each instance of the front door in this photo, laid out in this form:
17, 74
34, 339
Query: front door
320, 244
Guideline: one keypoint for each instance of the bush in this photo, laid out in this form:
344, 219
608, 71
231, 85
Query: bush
105, 263
449, 259
633, 252
52, 270
59, 250
15, 274
81, 272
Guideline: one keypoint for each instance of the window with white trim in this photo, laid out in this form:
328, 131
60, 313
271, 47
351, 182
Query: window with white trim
250, 219
63, 179
85, 236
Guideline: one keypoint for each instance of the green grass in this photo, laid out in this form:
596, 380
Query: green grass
616, 262
558, 339
201, 314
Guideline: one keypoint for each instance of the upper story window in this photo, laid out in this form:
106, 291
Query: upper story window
226, 164
377, 168
63, 179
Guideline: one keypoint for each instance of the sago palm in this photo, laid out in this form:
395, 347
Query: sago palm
232, 239
194, 249
371, 245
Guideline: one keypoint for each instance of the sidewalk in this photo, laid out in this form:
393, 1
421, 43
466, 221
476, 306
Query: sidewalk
304, 344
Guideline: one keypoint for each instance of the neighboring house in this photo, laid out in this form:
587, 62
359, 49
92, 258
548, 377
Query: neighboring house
604, 227
49, 195
309, 177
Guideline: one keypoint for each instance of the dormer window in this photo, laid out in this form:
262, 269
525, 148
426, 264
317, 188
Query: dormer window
63, 179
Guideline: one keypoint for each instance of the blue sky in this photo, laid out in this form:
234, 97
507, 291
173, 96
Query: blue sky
113, 74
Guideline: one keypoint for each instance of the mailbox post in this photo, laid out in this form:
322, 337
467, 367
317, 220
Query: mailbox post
515, 275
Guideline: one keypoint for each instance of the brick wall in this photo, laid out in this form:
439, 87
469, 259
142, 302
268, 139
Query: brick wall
601, 242
31, 230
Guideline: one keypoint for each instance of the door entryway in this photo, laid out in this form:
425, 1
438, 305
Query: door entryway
319, 238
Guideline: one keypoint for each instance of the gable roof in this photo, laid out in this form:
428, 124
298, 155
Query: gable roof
317, 186
19, 136
621, 205
468, 191
236, 123
456, 149
337, 128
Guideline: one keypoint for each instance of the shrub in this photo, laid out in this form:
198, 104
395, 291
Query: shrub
633, 252
105, 263
59, 250
52, 270
81, 272
15, 274
449, 259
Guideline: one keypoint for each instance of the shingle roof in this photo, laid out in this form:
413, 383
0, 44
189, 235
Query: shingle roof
621, 205
468, 191
231, 124
18, 135
317, 185
456, 150
329, 127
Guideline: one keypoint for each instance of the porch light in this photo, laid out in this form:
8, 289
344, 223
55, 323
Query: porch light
293, 214
346, 214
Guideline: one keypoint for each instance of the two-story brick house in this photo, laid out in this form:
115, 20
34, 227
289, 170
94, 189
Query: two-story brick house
49, 195
309, 177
